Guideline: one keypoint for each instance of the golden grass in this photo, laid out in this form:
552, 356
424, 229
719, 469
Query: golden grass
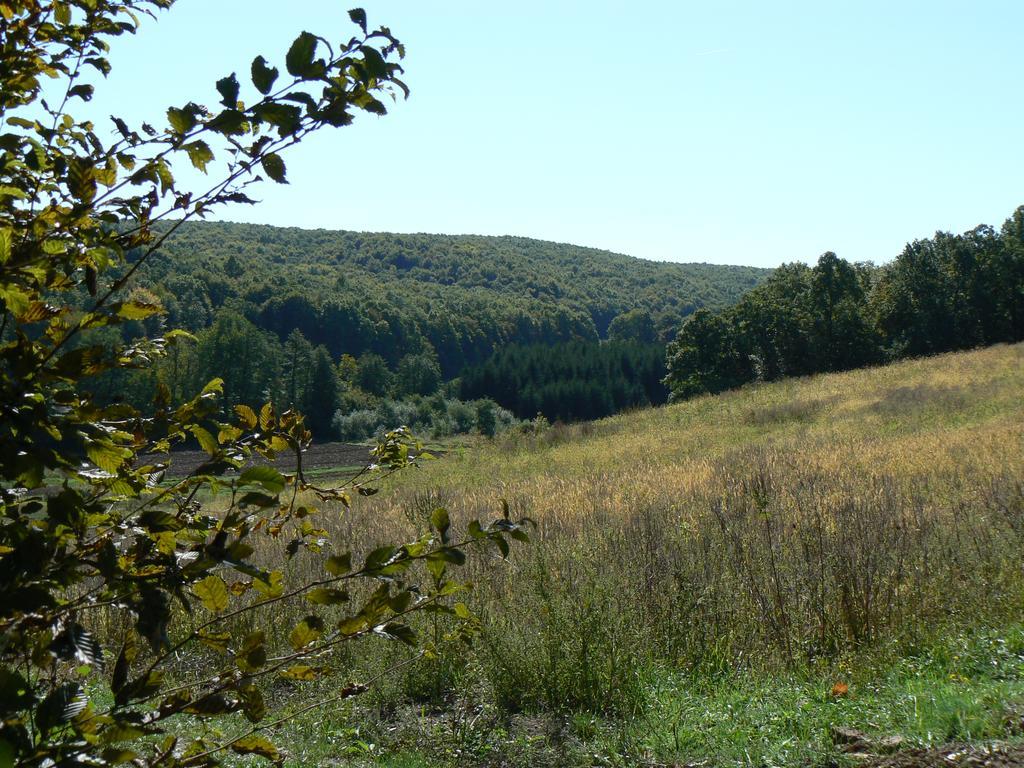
782, 523
913, 420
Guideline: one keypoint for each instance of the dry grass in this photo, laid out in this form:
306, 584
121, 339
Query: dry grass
782, 525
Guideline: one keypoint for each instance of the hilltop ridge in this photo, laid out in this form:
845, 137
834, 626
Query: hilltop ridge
548, 291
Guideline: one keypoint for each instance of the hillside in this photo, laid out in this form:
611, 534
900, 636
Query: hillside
387, 293
751, 571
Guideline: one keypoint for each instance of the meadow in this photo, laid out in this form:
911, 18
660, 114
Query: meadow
728, 579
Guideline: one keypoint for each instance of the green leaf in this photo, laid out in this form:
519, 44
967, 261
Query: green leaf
218, 641
452, 555
15, 300
274, 166
306, 632
375, 63
123, 664
266, 417
263, 77
301, 672
135, 310
227, 87
17, 691
256, 745
285, 117
61, 12
501, 544
253, 705
77, 644
213, 386
438, 561
358, 16
246, 415
206, 441
81, 180
211, 706
60, 706
254, 499
379, 558
141, 688
339, 565
6, 244
269, 478
400, 601
84, 92
230, 122
213, 592
115, 756
327, 596
200, 154
299, 60
181, 120
271, 586
9, 191
107, 457
441, 522
401, 632
253, 653
159, 521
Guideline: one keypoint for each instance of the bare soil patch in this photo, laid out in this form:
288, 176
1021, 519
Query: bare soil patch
319, 456
977, 756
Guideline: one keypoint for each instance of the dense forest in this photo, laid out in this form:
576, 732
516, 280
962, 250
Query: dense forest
571, 382
362, 331
949, 292
393, 295
456, 334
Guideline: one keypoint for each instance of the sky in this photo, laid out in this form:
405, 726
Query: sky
724, 131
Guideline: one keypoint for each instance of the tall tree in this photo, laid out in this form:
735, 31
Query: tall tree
706, 357
841, 335
418, 374
322, 396
635, 325
296, 369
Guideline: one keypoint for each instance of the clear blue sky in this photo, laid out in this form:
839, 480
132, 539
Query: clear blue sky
732, 132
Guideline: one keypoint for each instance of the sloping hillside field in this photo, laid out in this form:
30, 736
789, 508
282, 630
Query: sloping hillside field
786, 574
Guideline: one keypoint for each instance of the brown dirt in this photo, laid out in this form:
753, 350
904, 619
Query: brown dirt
990, 756
319, 456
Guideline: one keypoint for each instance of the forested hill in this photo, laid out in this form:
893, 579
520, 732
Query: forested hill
388, 294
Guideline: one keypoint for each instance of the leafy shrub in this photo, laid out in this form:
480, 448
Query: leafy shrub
129, 604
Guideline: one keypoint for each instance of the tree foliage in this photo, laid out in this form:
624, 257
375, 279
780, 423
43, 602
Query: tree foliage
389, 294
108, 570
945, 293
570, 382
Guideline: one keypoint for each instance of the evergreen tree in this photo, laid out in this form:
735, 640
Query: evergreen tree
296, 369
322, 397
373, 375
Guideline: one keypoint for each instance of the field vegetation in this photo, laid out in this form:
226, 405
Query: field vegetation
786, 573
729, 578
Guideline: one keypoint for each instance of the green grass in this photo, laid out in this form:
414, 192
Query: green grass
960, 691
963, 689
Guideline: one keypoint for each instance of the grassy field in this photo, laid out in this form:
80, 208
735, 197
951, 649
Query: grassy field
725, 580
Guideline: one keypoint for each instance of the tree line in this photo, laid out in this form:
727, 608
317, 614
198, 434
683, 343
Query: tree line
570, 382
940, 294
356, 329
392, 295
350, 398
